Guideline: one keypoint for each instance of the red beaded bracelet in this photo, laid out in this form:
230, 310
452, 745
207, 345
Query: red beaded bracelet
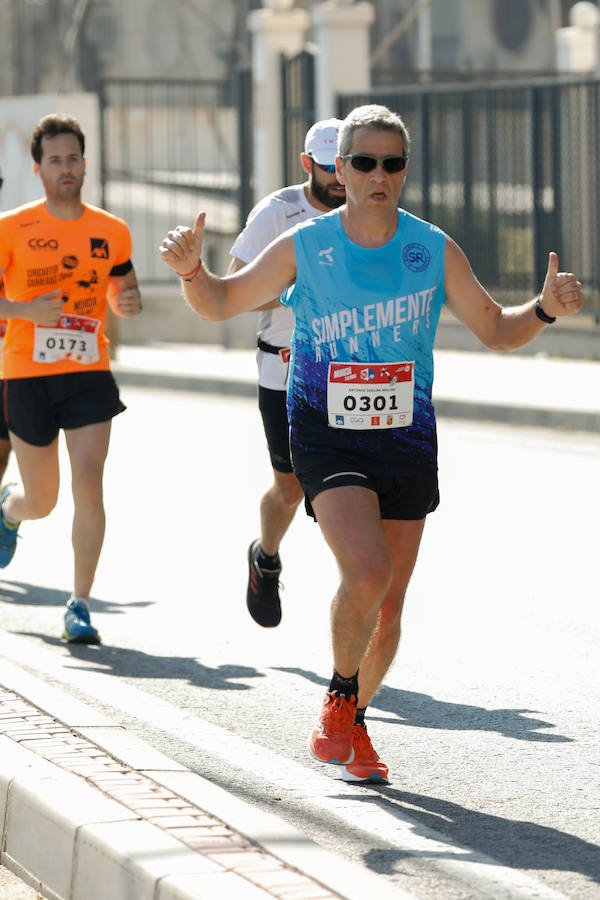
191, 275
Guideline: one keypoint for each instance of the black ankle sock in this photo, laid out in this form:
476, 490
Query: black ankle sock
345, 686
268, 562
359, 716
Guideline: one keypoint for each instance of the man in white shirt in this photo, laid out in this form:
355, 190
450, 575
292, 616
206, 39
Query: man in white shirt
273, 215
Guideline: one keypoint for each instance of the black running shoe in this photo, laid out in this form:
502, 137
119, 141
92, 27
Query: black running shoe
262, 597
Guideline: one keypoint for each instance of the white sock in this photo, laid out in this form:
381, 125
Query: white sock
6, 518
81, 600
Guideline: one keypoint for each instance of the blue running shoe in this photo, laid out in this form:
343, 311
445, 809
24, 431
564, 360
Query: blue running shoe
78, 628
8, 533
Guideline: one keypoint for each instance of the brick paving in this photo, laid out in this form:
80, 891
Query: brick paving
150, 801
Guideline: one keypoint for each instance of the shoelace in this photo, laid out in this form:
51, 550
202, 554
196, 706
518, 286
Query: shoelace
270, 573
273, 573
79, 614
362, 739
342, 710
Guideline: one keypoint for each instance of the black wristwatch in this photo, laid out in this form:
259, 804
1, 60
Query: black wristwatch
542, 315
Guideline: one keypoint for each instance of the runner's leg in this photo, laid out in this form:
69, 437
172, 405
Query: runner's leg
38, 467
403, 539
349, 519
277, 510
376, 559
87, 448
4, 454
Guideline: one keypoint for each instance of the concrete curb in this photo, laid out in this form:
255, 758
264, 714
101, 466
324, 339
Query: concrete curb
446, 407
183, 381
78, 822
528, 416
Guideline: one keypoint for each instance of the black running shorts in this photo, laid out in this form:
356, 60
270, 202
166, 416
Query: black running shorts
3, 425
36, 408
403, 496
272, 405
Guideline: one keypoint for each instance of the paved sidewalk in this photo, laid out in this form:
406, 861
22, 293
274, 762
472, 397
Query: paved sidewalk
91, 812
520, 390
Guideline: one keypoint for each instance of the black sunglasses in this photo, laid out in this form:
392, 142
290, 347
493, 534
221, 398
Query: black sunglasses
324, 166
363, 162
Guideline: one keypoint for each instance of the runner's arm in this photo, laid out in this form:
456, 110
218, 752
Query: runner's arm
43, 310
501, 328
217, 299
234, 266
123, 294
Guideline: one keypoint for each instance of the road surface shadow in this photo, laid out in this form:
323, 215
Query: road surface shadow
19, 593
126, 663
423, 711
509, 842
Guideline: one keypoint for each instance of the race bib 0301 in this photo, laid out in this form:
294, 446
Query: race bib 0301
74, 338
370, 395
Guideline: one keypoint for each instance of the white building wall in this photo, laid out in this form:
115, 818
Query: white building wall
481, 46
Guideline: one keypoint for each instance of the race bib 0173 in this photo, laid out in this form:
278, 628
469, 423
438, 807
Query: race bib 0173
370, 395
74, 338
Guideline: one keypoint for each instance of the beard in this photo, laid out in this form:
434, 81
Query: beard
327, 194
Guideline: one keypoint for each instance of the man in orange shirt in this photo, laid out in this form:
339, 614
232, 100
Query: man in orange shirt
61, 260
4, 439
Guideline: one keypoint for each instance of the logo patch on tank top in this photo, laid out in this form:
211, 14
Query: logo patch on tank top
416, 257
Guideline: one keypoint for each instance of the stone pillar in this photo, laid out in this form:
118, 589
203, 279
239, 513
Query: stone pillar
341, 33
577, 45
274, 31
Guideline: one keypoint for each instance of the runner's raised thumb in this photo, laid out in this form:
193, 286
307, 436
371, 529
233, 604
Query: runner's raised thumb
552, 265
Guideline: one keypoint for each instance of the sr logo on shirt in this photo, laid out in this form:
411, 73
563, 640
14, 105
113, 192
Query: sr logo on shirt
416, 257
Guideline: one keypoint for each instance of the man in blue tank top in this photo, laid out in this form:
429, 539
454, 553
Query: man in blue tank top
366, 283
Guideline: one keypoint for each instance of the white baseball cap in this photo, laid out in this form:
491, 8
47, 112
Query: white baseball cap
321, 141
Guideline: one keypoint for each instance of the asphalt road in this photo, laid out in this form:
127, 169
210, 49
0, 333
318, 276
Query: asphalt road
489, 715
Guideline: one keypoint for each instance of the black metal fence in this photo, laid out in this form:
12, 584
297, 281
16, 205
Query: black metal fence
170, 149
511, 171
298, 110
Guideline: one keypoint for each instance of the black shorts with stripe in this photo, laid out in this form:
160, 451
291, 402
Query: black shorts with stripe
406, 495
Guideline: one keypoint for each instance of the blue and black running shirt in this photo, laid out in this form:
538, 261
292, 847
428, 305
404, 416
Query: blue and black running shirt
367, 308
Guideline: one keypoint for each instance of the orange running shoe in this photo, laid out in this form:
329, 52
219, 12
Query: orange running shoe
366, 765
331, 739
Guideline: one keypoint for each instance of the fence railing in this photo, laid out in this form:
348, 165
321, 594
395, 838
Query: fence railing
298, 110
169, 149
510, 171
